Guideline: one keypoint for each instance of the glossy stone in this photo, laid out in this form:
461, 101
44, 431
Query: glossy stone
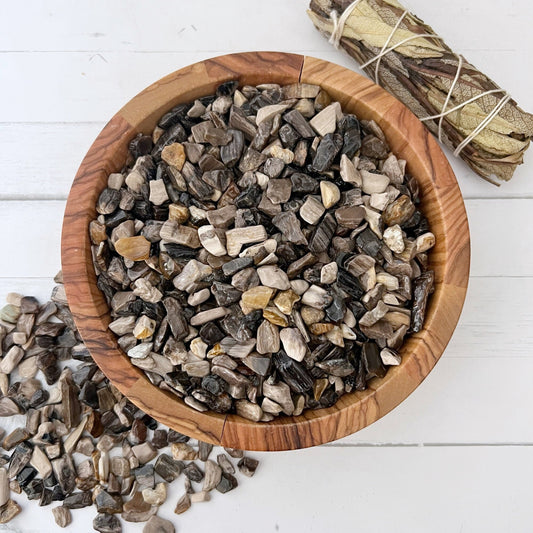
290, 227
304, 184
256, 297
372, 363
272, 276
268, 340
157, 524
322, 235
293, 372
248, 466
133, 248
326, 152
312, 210
62, 516
227, 483
330, 193
106, 523
423, 286
225, 294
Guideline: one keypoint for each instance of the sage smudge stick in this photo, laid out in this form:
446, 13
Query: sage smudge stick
468, 111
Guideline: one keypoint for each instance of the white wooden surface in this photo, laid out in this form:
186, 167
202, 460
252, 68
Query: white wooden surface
456, 455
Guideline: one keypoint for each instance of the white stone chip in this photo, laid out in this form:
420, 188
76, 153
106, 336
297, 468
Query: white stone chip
293, 343
393, 238
211, 241
328, 273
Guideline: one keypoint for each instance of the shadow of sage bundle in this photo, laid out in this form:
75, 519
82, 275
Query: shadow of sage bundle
462, 106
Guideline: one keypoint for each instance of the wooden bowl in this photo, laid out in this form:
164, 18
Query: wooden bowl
441, 202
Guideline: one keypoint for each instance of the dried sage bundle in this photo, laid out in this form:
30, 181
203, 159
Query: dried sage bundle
470, 113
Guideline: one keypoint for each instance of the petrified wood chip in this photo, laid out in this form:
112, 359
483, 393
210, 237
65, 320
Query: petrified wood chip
268, 339
326, 121
390, 357
330, 193
184, 503
245, 279
423, 286
348, 171
424, 242
176, 233
9, 511
211, 240
193, 272
133, 248
248, 466
279, 190
275, 316
62, 516
290, 227
236, 238
157, 524
17, 436
20, 457
207, 316
248, 410
268, 112
155, 496
181, 451
316, 297
293, 343
399, 211
40, 462
272, 276
64, 472
11, 359
312, 210
174, 154
322, 235
256, 298
4, 487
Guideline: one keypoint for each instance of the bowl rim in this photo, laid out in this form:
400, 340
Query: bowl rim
442, 203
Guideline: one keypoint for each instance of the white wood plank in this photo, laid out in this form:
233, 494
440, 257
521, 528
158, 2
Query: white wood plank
496, 319
497, 231
211, 25
46, 169
32, 237
41, 287
92, 86
41, 160
80, 86
472, 399
405, 490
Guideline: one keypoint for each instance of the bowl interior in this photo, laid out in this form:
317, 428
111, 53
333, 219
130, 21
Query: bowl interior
441, 203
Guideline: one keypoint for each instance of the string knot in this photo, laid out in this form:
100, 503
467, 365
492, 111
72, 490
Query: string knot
339, 23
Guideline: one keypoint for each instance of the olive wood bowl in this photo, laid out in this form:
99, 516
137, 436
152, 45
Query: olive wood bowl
441, 203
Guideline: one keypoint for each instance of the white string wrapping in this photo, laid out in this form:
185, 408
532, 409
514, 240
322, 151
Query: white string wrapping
339, 23
449, 95
482, 126
335, 38
381, 53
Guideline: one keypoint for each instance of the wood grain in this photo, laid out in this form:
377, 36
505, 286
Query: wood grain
442, 204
